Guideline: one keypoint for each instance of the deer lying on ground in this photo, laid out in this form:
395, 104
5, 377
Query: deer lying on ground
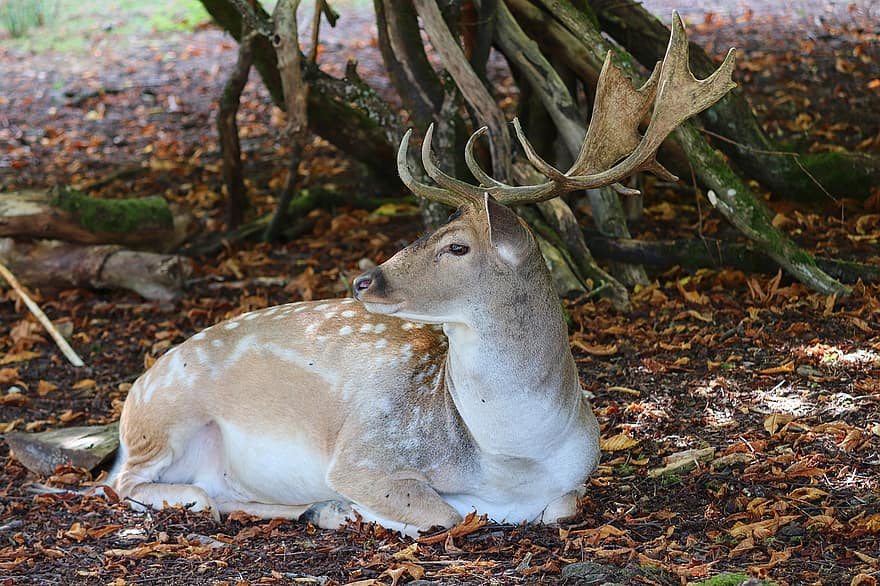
320, 410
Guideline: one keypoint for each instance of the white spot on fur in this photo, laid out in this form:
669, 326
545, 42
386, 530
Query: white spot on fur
322, 307
406, 350
251, 315
345, 330
407, 325
300, 308
381, 343
379, 328
348, 313
199, 336
366, 328
330, 314
312, 328
347, 301
231, 325
271, 310
217, 343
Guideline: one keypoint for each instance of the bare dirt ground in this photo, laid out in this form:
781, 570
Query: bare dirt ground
782, 384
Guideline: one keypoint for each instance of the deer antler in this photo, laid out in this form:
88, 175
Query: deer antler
613, 149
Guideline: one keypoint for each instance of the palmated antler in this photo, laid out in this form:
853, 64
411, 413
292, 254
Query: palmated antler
612, 150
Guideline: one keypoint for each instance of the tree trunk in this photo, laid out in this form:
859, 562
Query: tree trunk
55, 264
349, 115
227, 129
67, 214
787, 174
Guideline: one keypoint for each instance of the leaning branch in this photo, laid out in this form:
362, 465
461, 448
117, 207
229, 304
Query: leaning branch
470, 84
65, 348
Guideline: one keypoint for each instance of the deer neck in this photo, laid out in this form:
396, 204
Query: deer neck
512, 377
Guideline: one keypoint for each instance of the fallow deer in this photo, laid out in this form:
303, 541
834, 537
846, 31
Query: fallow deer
446, 386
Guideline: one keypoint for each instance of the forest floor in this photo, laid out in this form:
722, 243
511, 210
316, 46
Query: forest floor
778, 385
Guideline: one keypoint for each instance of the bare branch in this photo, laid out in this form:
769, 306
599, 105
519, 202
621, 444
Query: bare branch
469, 83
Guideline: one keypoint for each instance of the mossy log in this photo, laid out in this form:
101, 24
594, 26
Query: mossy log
55, 264
713, 253
67, 214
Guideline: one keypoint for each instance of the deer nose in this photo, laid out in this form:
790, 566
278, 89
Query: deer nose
362, 283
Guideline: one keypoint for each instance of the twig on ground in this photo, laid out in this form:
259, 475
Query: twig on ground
68, 352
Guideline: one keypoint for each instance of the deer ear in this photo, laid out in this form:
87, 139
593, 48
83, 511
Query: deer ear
506, 232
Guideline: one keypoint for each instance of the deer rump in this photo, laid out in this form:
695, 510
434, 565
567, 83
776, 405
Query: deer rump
310, 405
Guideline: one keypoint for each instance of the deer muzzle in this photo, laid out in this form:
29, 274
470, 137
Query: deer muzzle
371, 289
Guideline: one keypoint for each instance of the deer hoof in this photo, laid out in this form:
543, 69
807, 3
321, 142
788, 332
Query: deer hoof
327, 514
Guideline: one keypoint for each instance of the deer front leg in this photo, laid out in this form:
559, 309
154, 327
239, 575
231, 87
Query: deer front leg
408, 504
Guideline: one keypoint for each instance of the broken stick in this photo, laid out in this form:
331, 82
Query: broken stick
68, 352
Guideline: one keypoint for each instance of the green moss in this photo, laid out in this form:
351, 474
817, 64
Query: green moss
842, 174
727, 580
117, 216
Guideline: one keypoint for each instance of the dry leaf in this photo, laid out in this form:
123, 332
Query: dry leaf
807, 493
823, 522
45, 387
86, 383
774, 421
77, 532
19, 357
681, 462
761, 529
597, 349
781, 369
618, 442
408, 553
694, 297
8, 375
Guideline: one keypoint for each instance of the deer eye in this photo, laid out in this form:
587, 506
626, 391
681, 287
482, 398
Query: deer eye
456, 249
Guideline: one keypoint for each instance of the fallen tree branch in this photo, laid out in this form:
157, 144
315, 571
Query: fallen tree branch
50, 263
715, 253
65, 348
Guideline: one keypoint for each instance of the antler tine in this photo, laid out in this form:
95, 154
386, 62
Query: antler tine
459, 190
679, 94
504, 193
484, 178
428, 192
